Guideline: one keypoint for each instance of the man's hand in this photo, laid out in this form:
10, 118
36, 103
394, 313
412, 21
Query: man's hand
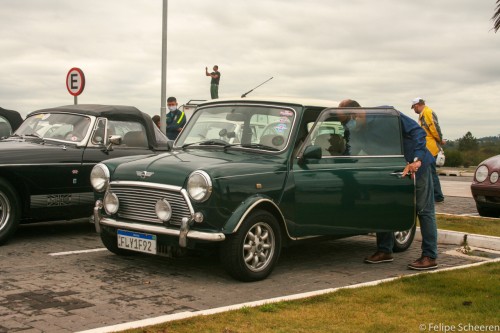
411, 168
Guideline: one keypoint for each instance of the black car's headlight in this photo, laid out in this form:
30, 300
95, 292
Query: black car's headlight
99, 177
199, 186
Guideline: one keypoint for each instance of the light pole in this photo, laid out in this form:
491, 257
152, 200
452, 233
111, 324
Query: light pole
163, 108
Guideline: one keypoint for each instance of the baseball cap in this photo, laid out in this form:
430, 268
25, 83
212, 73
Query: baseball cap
416, 101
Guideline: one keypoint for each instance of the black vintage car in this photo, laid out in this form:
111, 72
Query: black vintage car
9, 122
45, 165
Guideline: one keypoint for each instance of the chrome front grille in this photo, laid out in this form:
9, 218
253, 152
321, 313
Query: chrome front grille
138, 203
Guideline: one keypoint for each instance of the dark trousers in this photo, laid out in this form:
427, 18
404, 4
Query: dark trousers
438, 193
426, 215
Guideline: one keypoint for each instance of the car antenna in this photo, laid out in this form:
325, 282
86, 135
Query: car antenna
248, 92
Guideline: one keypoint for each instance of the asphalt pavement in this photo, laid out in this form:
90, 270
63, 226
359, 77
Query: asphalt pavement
57, 277
458, 197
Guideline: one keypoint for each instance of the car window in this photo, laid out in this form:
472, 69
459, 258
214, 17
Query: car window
347, 132
256, 127
133, 133
58, 126
99, 135
160, 137
5, 128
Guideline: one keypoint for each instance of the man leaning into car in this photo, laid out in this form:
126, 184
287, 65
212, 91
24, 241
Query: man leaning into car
419, 160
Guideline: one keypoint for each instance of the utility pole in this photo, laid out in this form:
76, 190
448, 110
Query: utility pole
163, 108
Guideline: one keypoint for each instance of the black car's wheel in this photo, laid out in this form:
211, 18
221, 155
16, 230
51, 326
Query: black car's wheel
10, 212
252, 252
487, 211
109, 240
403, 239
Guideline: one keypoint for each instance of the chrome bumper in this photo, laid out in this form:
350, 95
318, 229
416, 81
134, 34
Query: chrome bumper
184, 233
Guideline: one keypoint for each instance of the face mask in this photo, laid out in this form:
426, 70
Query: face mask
351, 124
172, 108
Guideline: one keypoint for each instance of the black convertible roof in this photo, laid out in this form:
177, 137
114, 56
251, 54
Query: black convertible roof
13, 117
94, 110
116, 112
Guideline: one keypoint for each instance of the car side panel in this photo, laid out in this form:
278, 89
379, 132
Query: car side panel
350, 195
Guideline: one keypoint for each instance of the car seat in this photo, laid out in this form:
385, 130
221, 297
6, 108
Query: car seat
135, 139
331, 144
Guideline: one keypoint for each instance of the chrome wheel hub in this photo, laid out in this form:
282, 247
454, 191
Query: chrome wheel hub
258, 247
402, 237
4, 210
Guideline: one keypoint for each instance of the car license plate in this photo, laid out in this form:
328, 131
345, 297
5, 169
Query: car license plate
136, 241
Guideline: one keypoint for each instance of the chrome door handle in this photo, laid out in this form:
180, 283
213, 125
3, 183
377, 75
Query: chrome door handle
397, 174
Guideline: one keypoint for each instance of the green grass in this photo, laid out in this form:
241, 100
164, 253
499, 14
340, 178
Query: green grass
471, 225
467, 296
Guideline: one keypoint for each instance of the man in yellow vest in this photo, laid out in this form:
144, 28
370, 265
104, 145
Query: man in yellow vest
175, 119
434, 139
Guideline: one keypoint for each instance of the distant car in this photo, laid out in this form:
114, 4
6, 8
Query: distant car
45, 165
9, 122
485, 187
283, 174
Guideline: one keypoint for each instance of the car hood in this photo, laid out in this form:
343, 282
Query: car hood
493, 163
174, 167
13, 151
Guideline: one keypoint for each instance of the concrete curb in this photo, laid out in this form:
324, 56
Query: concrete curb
457, 238
454, 172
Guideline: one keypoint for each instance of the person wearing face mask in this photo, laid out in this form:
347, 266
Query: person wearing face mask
176, 119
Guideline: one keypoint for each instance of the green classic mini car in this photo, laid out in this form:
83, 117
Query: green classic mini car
254, 175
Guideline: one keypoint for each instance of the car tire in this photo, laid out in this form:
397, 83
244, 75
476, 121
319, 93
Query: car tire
251, 253
403, 239
10, 211
487, 211
108, 238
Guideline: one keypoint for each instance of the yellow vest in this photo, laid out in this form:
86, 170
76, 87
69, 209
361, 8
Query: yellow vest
433, 140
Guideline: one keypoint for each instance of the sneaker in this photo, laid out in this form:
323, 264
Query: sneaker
423, 263
439, 200
379, 257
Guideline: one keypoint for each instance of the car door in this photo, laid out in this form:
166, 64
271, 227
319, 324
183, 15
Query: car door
354, 185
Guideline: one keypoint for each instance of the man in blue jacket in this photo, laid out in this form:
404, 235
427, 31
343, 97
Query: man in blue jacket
176, 119
419, 161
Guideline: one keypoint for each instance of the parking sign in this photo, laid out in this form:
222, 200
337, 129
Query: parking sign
75, 81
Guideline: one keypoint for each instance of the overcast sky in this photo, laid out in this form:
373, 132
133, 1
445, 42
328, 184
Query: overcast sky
377, 52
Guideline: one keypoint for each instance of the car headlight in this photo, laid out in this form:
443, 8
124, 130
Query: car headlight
163, 210
99, 177
111, 203
494, 177
482, 173
199, 186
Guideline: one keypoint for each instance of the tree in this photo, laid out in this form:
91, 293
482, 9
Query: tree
468, 142
496, 17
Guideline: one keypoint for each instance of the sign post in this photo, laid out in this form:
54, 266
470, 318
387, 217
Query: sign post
75, 82
163, 107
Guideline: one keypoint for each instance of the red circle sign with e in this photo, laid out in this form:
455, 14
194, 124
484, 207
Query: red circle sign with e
75, 81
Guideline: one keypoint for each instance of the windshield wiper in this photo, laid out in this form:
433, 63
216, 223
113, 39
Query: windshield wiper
34, 135
212, 142
260, 146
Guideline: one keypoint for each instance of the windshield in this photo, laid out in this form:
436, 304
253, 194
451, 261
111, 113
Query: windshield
58, 126
259, 127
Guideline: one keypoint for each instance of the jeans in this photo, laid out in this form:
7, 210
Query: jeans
214, 91
438, 194
426, 215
